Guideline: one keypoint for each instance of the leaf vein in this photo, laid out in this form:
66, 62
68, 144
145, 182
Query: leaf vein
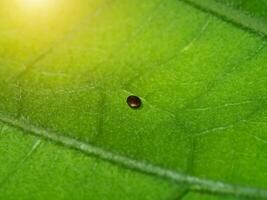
196, 183
236, 18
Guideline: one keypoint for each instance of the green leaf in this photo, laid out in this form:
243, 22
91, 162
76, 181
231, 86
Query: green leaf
67, 68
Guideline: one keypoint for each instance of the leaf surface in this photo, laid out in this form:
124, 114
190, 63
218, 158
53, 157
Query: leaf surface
67, 68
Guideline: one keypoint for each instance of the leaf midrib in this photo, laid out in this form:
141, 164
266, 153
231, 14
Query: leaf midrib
195, 183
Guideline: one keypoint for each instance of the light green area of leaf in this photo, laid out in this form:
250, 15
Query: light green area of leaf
67, 67
202, 196
32, 168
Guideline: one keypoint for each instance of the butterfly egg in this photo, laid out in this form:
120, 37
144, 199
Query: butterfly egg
134, 101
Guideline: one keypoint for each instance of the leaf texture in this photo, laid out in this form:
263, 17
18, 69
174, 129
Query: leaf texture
67, 68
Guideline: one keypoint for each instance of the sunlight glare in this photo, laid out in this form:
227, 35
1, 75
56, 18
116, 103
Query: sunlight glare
35, 4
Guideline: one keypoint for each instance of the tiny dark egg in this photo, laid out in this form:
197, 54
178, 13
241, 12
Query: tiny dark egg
134, 101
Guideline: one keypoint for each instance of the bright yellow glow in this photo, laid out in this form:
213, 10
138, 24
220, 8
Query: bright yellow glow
36, 4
